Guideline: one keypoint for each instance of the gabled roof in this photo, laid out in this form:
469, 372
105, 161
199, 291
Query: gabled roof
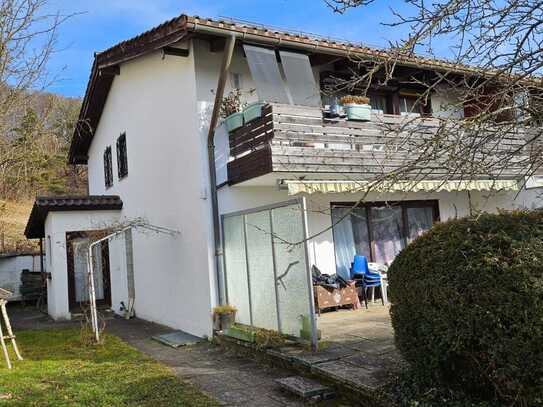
106, 63
43, 205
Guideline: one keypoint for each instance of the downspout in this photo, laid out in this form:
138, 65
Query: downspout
225, 66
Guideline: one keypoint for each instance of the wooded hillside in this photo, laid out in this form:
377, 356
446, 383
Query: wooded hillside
33, 161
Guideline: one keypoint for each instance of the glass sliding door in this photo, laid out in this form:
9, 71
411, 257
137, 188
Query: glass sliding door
260, 263
378, 230
418, 221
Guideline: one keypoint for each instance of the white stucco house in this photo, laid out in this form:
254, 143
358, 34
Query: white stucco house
252, 209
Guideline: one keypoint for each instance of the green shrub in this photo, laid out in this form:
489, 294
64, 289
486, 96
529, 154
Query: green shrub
467, 306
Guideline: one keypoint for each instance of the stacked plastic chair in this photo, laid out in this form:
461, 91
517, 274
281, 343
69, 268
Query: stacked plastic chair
364, 278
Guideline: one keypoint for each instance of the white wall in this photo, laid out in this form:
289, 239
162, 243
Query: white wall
10, 272
321, 247
153, 100
56, 226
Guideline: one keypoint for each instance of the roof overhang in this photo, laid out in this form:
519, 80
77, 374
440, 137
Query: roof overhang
35, 227
339, 187
105, 68
106, 63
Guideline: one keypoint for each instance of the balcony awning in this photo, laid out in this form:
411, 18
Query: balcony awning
336, 187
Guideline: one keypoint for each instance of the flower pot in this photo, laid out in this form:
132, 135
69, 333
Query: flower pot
358, 112
221, 322
253, 111
234, 121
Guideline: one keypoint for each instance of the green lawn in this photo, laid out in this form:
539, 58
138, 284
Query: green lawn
61, 370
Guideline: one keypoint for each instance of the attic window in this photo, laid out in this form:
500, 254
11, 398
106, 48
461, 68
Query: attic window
122, 158
108, 168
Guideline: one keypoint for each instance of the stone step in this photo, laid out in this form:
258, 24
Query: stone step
305, 388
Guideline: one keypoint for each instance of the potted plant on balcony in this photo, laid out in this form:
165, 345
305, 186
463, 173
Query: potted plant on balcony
231, 110
253, 111
224, 317
356, 107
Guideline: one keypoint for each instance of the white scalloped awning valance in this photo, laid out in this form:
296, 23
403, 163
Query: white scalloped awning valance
337, 187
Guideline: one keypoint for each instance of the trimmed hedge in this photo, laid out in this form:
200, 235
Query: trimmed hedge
467, 306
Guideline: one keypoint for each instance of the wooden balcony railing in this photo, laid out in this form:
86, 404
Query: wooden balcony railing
297, 139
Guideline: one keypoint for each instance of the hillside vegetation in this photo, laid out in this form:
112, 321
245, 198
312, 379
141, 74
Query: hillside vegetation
33, 161
13, 218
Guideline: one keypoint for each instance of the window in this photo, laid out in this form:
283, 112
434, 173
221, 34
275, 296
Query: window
49, 251
235, 80
413, 104
122, 159
378, 230
378, 103
108, 168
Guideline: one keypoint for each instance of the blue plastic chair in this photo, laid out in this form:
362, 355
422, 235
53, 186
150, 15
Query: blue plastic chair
364, 278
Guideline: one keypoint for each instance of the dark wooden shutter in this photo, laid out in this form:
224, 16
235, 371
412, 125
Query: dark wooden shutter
122, 158
108, 168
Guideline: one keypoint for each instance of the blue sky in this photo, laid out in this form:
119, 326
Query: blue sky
103, 23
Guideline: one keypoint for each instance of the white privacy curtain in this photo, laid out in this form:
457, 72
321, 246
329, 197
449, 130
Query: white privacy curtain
300, 79
264, 68
344, 243
387, 236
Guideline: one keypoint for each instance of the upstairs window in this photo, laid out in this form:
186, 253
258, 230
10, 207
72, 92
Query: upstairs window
413, 104
122, 159
108, 168
378, 103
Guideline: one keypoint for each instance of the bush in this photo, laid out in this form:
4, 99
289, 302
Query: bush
467, 306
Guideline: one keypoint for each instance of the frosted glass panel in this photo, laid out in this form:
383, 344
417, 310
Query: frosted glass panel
98, 271
300, 79
292, 280
261, 273
81, 270
261, 277
270, 86
237, 289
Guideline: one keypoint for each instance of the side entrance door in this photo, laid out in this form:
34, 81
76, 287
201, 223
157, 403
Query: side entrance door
77, 249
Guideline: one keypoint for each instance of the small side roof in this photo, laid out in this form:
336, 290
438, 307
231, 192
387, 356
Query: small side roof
35, 227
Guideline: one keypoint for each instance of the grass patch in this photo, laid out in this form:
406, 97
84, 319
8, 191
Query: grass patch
61, 369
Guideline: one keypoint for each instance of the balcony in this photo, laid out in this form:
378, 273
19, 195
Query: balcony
297, 140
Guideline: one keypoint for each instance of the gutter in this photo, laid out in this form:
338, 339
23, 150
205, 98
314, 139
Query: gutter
277, 41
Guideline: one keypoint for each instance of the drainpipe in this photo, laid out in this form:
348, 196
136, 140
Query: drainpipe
225, 66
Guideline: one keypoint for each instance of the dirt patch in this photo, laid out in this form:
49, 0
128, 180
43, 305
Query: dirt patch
13, 218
